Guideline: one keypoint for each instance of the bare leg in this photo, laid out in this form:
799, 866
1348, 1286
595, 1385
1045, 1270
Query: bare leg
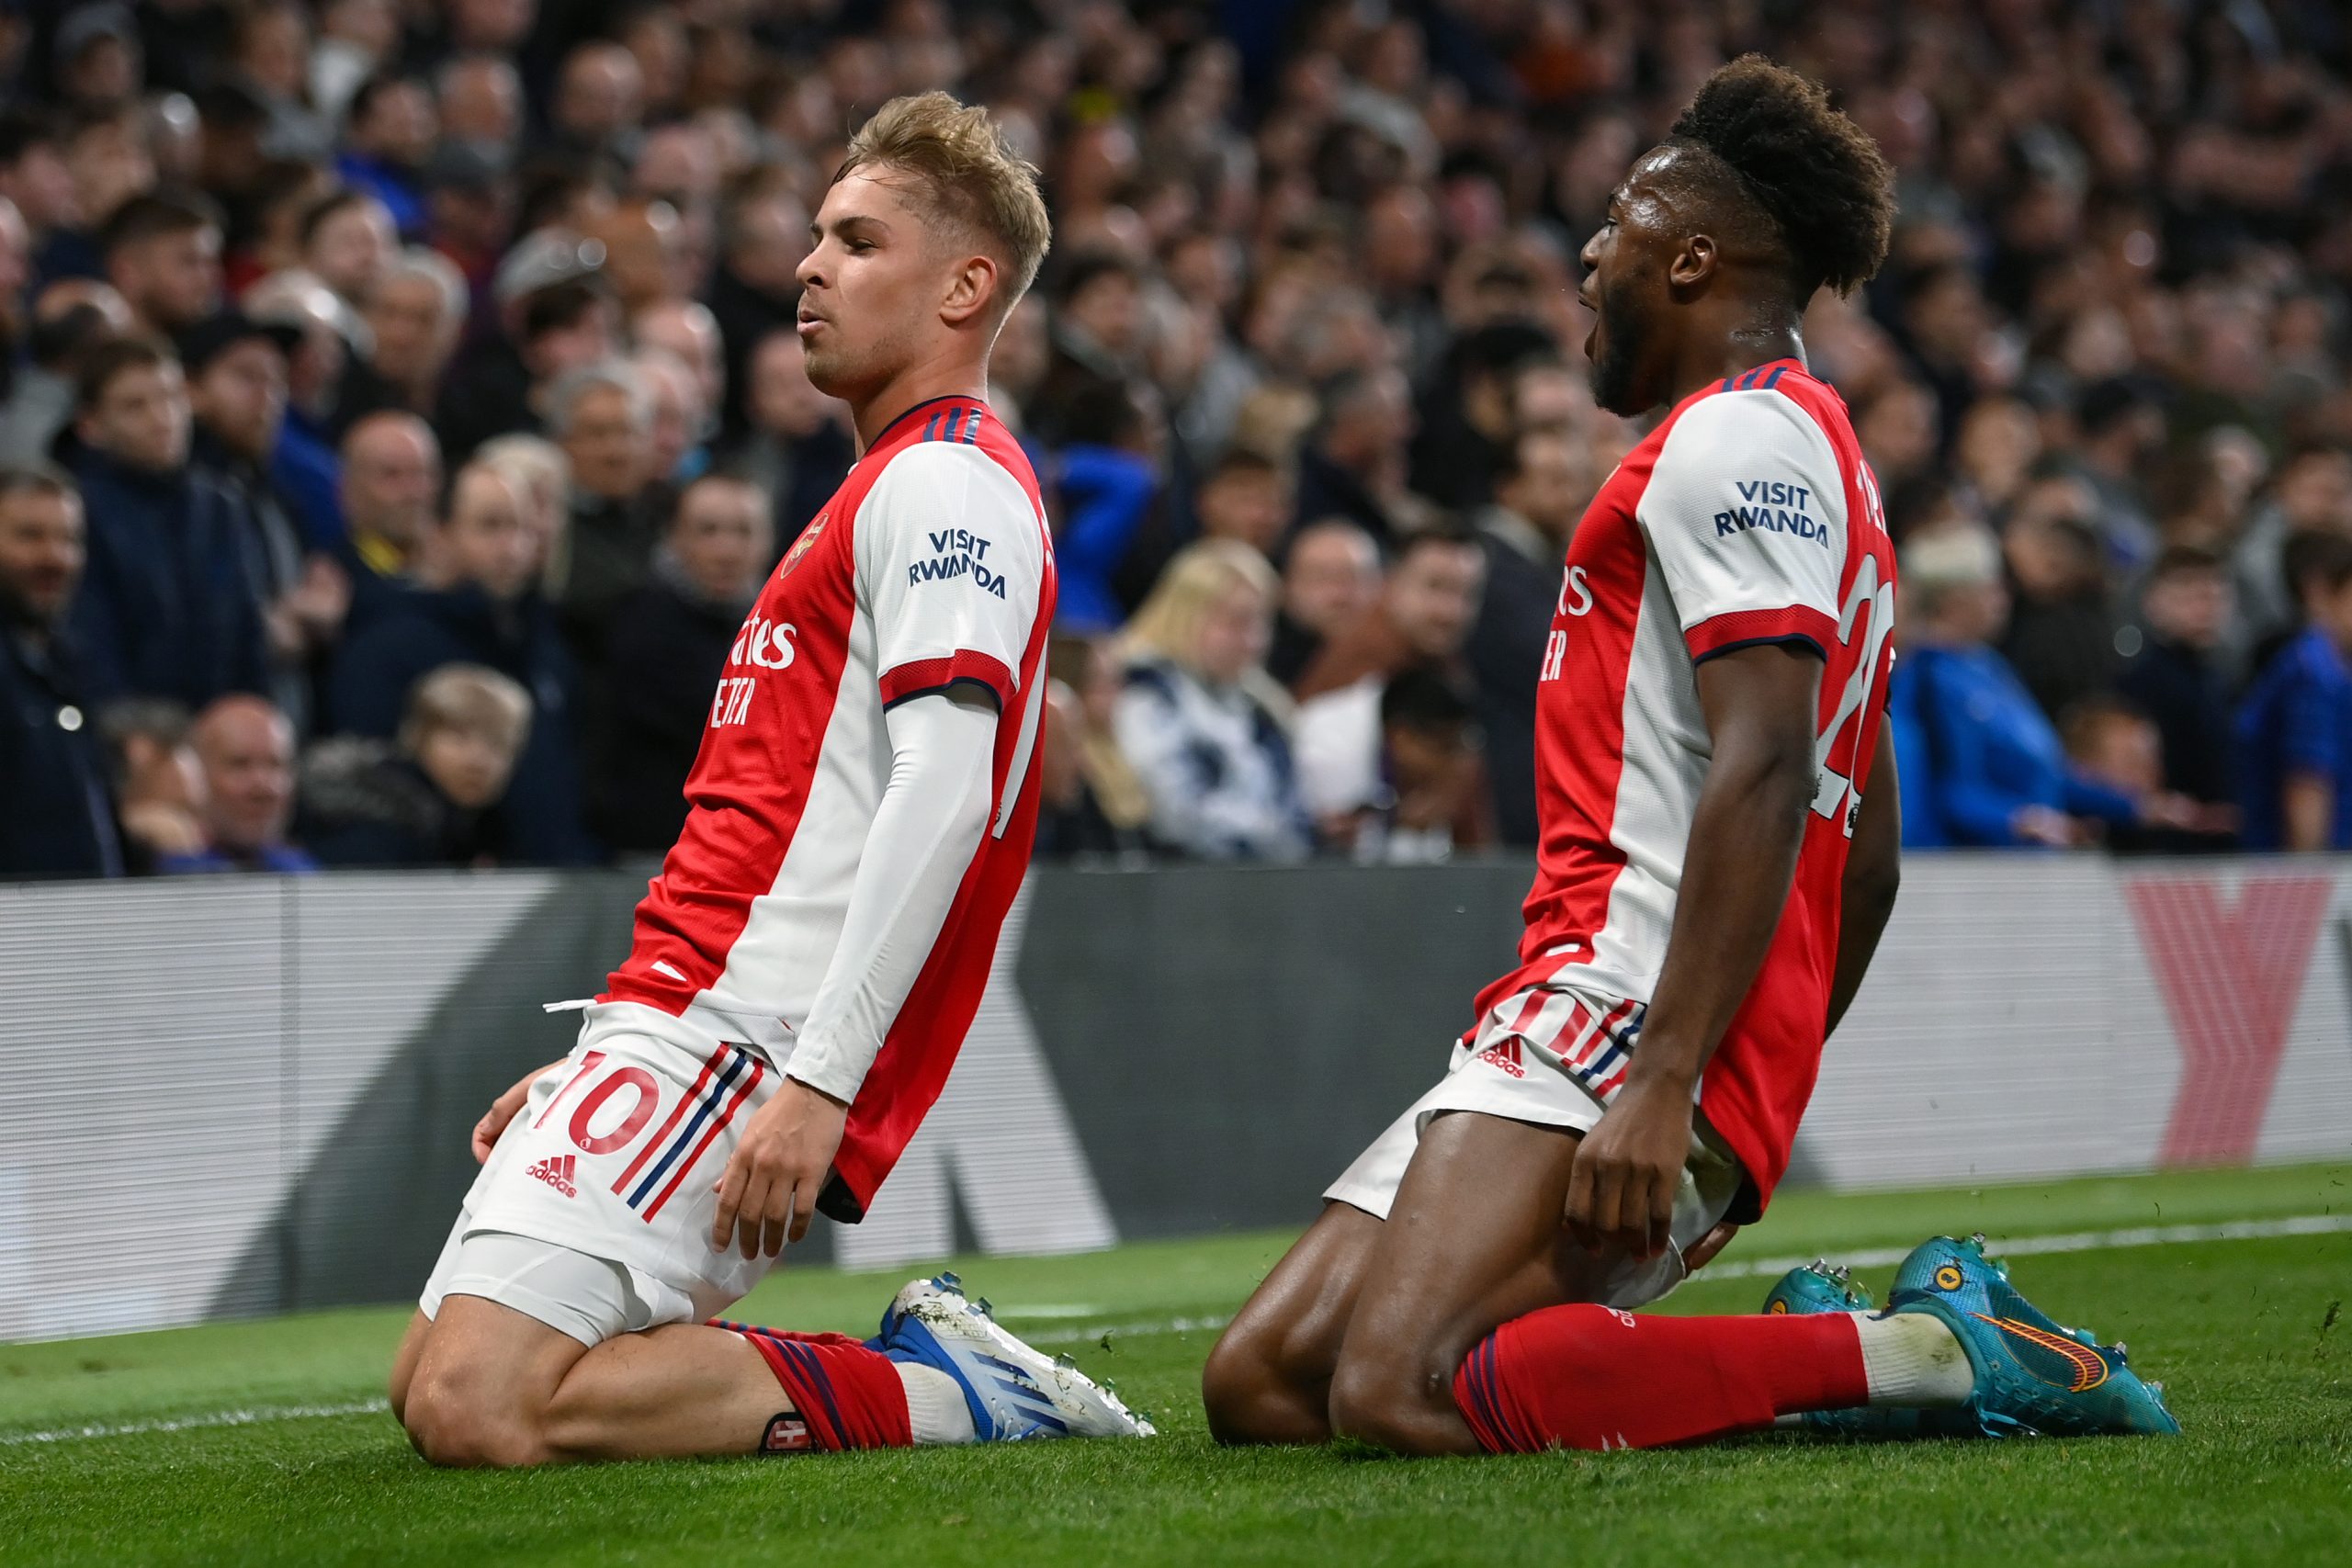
1473, 1239
404, 1361
1269, 1380
492, 1386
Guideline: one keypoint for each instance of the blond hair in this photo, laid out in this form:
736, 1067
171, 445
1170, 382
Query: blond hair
471, 698
971, 175
1167, 625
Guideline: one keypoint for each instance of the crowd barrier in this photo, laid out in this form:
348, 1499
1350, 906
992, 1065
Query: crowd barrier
232, 1096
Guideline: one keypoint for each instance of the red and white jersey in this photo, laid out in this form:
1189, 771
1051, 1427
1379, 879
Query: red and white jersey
931, 565
1748, 516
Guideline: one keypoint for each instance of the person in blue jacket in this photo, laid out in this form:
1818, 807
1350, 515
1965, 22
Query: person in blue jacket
477, 607
2294, 728
1984, 766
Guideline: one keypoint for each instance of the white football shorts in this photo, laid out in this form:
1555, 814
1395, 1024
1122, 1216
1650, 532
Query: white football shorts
592, 1214
1554, 1058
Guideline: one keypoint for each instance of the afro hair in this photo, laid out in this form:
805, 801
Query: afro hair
1816, 173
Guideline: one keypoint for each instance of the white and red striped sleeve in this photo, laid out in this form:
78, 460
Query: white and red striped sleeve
950, 555
1745, 511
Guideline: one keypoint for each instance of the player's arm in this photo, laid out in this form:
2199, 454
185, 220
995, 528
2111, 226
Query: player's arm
1873, 873
926, 829
951, 569
1746, 831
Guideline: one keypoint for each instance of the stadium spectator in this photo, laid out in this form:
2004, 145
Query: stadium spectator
327, 386
2061, 636
1995, 773
686, 329
2313, 494
2177, 678
1431, 772
798, 445
391, 480
1092, 801
245, 747
1330, 579
33, 175
167, 606
388, 134
1427, 607
158, 783
479, 606
554, 317
70, 318
541, 478
763, 234
348, 238
603, 417
56, 809
2294, 729
236, 370
432, 797
1355, 465
1245, 496
671, 637
415, 318
2110, 742
480, 98
1541, 486
1204, 726
163, 255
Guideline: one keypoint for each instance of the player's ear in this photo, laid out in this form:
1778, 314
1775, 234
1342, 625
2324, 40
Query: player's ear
970, 290
1694, 263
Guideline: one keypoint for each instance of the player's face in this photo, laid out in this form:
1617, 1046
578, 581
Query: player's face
1626, 290
872, 285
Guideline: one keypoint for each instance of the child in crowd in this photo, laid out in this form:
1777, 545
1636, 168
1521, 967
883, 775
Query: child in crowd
422, 800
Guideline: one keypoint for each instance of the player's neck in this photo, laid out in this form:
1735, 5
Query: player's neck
1733, 350
957, 378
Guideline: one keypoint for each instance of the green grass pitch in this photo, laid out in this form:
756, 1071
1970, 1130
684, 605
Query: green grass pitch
265, 1442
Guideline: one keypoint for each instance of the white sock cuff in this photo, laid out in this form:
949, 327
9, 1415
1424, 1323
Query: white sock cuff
936, 1411
1913, 1359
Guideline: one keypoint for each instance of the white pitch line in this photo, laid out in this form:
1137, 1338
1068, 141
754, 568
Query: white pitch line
1755, 1269
2077, 1241
190, 1423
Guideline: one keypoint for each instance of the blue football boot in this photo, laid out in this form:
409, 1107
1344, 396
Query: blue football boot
1016, 1393
2034, 1376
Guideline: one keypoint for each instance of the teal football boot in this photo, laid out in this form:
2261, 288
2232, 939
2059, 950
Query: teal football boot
1819, 1287
2034, 1376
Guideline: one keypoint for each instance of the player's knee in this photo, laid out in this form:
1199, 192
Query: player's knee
1389, 1402
1244, 1392
449, 1427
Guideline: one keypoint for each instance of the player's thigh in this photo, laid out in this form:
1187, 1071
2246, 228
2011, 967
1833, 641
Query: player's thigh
1269, 1378
1472, 1240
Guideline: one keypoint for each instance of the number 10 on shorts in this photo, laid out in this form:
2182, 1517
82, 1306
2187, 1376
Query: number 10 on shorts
611, 1108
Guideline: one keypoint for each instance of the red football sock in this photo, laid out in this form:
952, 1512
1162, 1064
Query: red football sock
1592, 1377
845, 1395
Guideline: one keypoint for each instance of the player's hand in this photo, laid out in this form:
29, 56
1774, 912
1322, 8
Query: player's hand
768, 1191
502, 1110
1622, 1187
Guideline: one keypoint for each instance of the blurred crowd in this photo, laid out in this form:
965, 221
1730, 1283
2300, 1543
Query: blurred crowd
399, 406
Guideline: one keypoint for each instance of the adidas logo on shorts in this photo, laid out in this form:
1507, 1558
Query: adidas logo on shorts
1504, 1054
556, 1170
